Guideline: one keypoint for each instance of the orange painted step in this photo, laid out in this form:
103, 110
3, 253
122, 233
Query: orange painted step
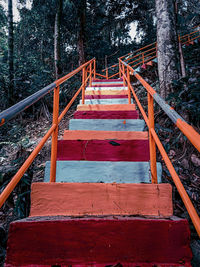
103, 135
78, 199
107, 107
106, 92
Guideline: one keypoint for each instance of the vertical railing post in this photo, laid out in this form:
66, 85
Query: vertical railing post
123, 74
94, 68
107, 73
90, 80
120, 71
54, 134
83, 85
129, 87
152, 145
143, 58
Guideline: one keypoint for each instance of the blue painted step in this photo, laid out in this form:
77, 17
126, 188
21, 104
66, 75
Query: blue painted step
102, 172
106, 125
106, 101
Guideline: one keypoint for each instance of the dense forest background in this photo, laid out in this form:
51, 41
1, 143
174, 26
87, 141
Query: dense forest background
47, 40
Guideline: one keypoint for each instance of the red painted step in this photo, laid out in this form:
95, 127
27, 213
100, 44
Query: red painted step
107, 80
108, 85
105, 96
102, 150
94, 241
106, 114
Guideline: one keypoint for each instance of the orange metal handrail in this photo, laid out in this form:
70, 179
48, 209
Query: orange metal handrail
53, 131
185, 128
143, 50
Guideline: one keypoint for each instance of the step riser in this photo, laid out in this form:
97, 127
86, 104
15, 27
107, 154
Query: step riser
105, 96
107, 80
104, 135
102, 172
80, 199
106, 115
97, 150
107, 92
121, 107
105, 88
106, 125
108, 85
106, 101
92, 242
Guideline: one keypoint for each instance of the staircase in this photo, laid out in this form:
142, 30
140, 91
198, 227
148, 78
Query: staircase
103, 209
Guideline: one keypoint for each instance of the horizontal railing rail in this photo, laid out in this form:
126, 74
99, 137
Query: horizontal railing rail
142, 56
185, 128
88, 72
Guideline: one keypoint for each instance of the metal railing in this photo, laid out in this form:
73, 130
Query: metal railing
88, 72
185, 128
147, 53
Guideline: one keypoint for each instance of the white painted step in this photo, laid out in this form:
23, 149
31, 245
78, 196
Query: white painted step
106, 101
107, 124
102, 172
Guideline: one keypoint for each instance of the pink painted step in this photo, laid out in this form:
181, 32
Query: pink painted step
98, 241
103, 150
106, 114
105, 96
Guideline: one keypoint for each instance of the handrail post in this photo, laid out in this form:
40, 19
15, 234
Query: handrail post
129, 87
83, 85
94, 68
107, 73
54, 134
152, 145
123, 73
90, 79
143, 58
120, 71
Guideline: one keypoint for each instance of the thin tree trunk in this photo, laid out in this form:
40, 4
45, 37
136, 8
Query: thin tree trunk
81, 34
10, 53
167, 46
57, 40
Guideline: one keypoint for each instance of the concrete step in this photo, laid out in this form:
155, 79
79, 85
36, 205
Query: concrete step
102, 172
105, 96
106, 92
107, 124
120, 107
108, 80
103, 135
106, 114
81, 199
106, 101
99, 241
110, 88
103, 150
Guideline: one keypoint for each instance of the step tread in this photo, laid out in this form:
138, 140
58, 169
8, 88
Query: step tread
107, 124
102, 172
106, 92
101, 135
119, 107
98, 242
104, 88
106, 101
78, 199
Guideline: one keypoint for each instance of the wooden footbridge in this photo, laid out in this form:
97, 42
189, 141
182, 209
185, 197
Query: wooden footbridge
102, 201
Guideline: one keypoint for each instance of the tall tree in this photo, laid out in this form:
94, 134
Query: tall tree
167, 46
10, 52
57, 38
81, 32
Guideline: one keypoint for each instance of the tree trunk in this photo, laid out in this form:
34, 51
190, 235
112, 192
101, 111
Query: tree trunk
10, 53
57, 38
167, 46
81, 34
